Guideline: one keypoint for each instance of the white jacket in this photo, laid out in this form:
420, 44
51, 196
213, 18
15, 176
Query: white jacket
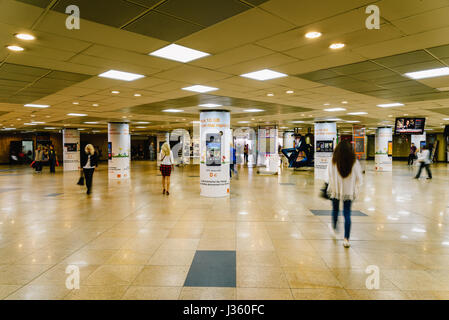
424, 156
344, 188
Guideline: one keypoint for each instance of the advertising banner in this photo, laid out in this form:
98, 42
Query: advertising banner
120, 142
267, 144
384, 150
215, 147
196, 143
289, 140
419, 141
71, 149
325, 143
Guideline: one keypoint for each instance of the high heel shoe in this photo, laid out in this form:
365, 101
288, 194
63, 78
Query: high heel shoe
167, 193
163, 191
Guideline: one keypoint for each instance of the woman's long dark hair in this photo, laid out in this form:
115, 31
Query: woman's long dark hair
344, 158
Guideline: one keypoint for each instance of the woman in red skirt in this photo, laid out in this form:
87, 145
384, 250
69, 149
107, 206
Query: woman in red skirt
167, 162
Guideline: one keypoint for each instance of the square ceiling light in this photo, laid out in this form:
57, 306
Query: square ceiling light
121, 75
335, 109
30, 105
265, 74
357, 113
179, 53
253, 110
200, 89
390, 105
431, 73
210, 105
173, 110
77, 114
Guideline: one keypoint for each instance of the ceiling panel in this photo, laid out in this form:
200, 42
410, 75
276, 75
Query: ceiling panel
441, 52
164, 27
203, 12
405, 59
112, 13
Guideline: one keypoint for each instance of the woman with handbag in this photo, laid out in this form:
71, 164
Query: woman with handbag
88, 162
344, 180
167, 161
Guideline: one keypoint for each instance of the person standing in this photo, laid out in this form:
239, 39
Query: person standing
344, 180
412, 155
233, 161
151, 148
38, 158
424, 162
52, 158
245, 153
167, 162
89, 161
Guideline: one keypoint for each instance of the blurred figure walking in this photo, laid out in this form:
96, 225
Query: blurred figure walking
424, 162
344, 181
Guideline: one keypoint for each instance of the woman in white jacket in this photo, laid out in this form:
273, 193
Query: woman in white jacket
344, 181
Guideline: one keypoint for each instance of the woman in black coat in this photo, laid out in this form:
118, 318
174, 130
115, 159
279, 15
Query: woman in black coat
89, 162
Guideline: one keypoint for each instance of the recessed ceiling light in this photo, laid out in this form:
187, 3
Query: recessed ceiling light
345, 102
313, 35
297, 121
253, 110
141, 127
49, 128
30, 105
96, 131
15, 48
352, 121
327, 104
30, 124
243, 121
25, 36
91, 122
199, 88
265, 74
446, 119
270, 94
81, 129
115, 92
172, 110
210, 105
75, 102
121, 75
333, 119
443, 89
289, 91
142, 122
432, 73
335, 109
178, 53
76, 114
37, 122
95, 105
335, 46
137, 95
390, 105
357, 113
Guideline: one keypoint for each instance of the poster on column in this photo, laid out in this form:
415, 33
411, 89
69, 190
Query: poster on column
384, 150
196, 143
419, 141
267, 144
120, 141
215, 147
71, 149
325, 143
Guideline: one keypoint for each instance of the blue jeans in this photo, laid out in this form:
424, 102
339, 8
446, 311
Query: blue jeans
346, 213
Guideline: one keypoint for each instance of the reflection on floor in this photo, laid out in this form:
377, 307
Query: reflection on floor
131, 242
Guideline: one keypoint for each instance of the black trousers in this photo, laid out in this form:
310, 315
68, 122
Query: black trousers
88, 174
411, 158
38, 166
427, 166
245, 157
52, 164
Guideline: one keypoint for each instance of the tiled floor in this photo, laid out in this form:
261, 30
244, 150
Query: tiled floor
131, 242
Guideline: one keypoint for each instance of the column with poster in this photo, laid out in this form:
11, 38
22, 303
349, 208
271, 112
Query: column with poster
325, 143
384, 150
196, 143
215, 147
71, 152
359, 142
267, 144
119, 142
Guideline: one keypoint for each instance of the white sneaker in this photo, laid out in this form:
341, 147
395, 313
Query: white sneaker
346, 243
